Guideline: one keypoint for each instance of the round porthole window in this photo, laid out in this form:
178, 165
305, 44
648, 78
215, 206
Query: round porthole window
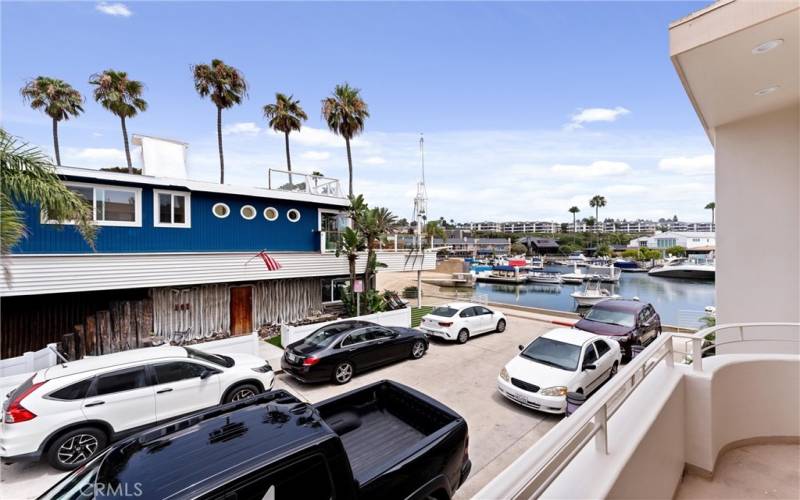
270, 213
221, 210
293, 215
248, 212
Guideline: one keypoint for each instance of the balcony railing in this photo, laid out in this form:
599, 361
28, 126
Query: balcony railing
533, 472
284, 180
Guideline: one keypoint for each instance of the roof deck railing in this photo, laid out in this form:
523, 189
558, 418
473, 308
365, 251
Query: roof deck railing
533, 472
296, 182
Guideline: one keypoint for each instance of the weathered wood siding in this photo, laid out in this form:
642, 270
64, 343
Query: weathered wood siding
204, 310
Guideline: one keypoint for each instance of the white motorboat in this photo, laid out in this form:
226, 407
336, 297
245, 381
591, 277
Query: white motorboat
607, 274
535, 263
545, 277
685, 268
591, 294
576, 277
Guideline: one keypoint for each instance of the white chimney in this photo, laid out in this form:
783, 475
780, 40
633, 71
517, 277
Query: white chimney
162, 157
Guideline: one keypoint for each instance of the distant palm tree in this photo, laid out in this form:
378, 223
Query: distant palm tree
122, 96
27, 175
345, 113
226, 86
712, 206
596, 202
285, 115
56, 98
574, 211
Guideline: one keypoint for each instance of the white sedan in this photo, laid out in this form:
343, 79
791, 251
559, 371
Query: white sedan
560, 361
69, 412
461, 320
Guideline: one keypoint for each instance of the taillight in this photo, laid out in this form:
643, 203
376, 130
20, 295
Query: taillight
16, 413
310, 361
445, 323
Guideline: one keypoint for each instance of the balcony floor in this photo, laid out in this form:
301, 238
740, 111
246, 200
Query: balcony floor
757, 471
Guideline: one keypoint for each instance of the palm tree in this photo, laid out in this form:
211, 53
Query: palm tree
284, 116
574, 211
122, 96
27, 175
375, 223
433, 230
345, 113
712, 206
226, 86
596, 202
56, 98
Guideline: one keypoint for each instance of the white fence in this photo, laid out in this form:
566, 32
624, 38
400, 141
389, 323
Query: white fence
400, 317
29, 362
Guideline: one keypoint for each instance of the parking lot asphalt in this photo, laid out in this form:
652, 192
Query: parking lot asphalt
460, 376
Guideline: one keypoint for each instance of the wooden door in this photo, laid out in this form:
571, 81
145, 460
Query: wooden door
241, 310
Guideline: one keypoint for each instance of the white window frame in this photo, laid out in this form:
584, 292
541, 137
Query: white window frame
214, 213
137, 209
277, 214
157, 207
241, 212
299, 215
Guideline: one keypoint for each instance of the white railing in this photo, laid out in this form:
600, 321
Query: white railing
532, 473
284, 180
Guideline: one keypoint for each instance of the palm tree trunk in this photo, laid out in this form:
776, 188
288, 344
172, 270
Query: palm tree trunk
127, 146
349, 163
55, 142
219, 141
712, 218
574, 224
288, 158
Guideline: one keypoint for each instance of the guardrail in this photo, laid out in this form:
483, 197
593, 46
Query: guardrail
533, 472
285, 180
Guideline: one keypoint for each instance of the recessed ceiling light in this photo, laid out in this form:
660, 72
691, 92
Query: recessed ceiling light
767, 90
767, 46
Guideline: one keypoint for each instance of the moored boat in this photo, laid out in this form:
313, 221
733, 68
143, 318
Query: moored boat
685, 268
591, 294
545, 277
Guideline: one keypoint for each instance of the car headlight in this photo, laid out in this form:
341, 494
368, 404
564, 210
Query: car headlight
504, 374
554, 391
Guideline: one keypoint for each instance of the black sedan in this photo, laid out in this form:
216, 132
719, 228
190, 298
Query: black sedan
338, 350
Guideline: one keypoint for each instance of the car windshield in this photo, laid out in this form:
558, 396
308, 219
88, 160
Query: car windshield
553, 353
621, 318
444, 311
217, 359
79, 485
325, 336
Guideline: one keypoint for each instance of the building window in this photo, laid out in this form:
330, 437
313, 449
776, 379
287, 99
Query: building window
333, 289
221, 210
293, 215
248, 212
110, 205
270, 213
171, 209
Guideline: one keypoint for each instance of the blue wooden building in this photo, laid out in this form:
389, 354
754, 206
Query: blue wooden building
176, 255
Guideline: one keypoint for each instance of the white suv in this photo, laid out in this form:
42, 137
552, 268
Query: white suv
69, 412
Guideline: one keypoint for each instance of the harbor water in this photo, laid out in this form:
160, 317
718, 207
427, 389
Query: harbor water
680, 302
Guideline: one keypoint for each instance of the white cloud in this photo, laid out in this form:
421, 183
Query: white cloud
241, 128
595, 169
96, 154
321, 138
375, 160
316, 155
688, 165
589, 115
114, 9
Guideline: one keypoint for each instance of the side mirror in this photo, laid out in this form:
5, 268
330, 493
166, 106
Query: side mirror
206, 374
589, 367
521, 347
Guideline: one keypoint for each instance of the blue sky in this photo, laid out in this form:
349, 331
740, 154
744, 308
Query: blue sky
527, 108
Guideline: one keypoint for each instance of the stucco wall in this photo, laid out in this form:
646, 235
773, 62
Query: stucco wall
758, 222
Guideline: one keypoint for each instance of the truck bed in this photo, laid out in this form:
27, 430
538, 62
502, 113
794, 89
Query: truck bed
383, 424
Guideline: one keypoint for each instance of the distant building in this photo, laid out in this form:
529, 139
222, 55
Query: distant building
539, 246
688, 240
607, 226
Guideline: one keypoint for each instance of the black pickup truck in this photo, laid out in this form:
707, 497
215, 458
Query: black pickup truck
384, 441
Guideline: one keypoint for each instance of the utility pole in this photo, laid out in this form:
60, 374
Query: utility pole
420, 215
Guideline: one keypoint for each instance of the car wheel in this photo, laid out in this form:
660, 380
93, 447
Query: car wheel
76, 447
418, 349
343, 373
240, 392
463, 336
501, 326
